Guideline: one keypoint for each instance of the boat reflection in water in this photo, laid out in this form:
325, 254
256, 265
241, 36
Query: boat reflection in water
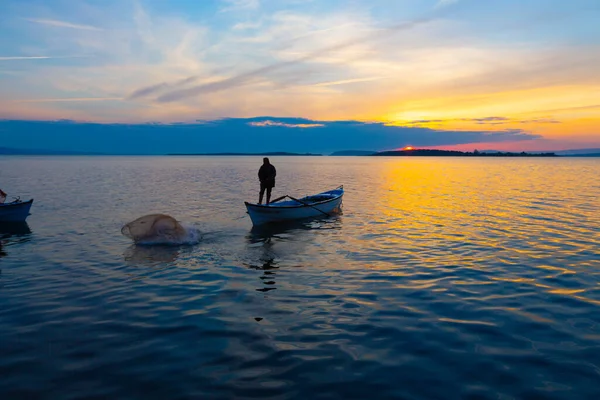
274, 246
12, 233
291, 229
269, 269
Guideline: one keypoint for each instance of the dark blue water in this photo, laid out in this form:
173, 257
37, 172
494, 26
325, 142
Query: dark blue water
442, 279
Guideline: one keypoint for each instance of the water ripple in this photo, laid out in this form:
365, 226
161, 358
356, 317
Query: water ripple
461, 278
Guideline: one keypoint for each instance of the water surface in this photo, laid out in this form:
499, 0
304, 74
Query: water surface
445, 278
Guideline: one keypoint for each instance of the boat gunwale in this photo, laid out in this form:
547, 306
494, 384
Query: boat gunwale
299, 205
16, 204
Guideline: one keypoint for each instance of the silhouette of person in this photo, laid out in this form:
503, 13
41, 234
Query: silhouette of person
2, 196
266, 175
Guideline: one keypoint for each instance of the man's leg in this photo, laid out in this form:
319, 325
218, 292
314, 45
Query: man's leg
269, 194
262, 192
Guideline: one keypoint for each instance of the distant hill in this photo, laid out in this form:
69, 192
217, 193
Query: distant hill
353, 153
273, 153
582, 155
455, 153
578, 152
571, 153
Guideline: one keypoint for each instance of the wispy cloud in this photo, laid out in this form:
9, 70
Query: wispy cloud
76, 99
444, 3
235, 5
25, 58
246, 25
483, 121
38, 57
539, 121
283, 124
579, 108
250, 76
151, 90
63, 24
347, 81
143, 22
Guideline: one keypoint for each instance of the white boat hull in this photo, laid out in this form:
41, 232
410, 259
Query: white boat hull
292, 210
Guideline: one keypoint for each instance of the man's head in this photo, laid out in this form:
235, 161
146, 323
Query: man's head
266, 161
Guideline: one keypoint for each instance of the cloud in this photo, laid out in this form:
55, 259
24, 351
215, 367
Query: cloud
37, 57
25, 58
487, 119
539, 121
153, 89
275, 123
63, 24
253, 75
444, 3
236, 5
239, 135
578, 108
75, 99
347, 81
484, 121
241, 26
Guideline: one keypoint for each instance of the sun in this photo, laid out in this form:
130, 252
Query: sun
408, 148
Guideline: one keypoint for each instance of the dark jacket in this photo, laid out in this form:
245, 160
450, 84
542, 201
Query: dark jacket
266, 175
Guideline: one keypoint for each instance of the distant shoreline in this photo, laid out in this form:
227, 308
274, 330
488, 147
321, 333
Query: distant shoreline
282, 153
8, 152
455, 153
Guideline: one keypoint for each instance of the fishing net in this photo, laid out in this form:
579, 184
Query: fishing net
154, 227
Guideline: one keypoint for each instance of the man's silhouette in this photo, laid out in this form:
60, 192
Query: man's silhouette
266, 175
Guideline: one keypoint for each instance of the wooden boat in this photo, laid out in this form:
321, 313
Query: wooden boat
321, 204
16, 211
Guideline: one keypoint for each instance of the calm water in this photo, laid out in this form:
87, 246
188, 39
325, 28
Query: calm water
442, 279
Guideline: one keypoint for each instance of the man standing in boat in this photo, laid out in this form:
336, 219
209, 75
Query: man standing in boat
266, 175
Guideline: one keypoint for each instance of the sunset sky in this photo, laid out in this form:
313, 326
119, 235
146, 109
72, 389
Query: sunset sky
527, 70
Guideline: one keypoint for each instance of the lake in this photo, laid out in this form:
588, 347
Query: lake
443, 278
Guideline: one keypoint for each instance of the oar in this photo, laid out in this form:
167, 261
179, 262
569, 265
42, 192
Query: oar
306, 204
277, 199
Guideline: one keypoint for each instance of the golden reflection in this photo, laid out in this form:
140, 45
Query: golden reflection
468, 322
587, 300
503, 220
531, 316
514, 280
566, 291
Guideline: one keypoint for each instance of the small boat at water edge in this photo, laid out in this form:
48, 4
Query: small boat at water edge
325, 203
15, 211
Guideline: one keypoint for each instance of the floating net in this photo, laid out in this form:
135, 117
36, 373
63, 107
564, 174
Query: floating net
155, 228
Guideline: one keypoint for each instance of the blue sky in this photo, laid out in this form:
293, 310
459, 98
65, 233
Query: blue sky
398, 62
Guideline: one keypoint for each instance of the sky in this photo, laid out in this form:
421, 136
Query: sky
296, 74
